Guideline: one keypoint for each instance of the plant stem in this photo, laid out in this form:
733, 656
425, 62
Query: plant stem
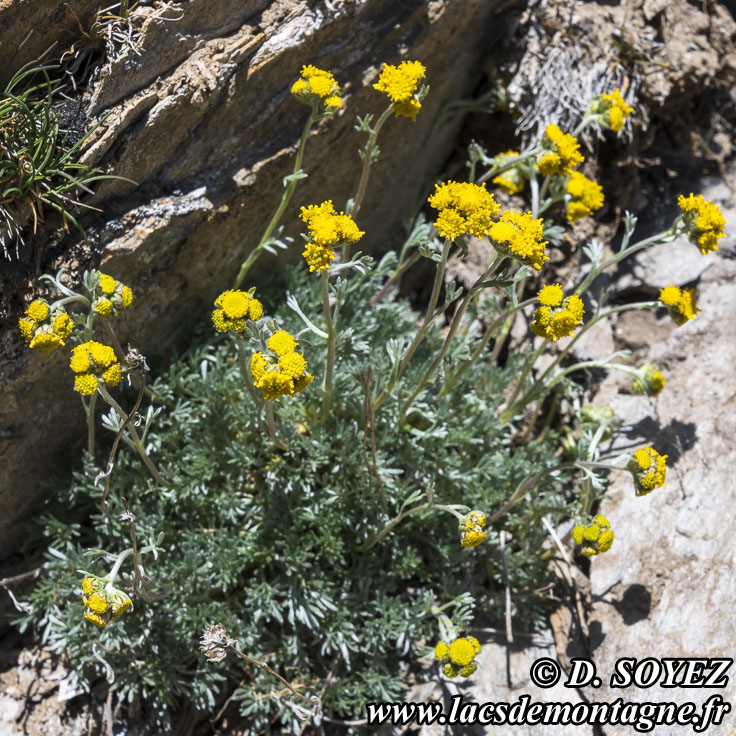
496, 170
331, 343
272, 426
454, 325
136, 439
245, 375
285, 198
90, 411
509, 412
397, 520
425, 327
395, 276
119, 562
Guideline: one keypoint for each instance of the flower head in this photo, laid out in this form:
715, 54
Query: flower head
215, 642
519, 235
283, 373
317, 87
704, 223
611, 110
327, 229
649, 469
560, 152
400, 83
681, 303
93, 362
457, 657
44, 328
234, 307
110, 296
649, 381
595, 537
471, 529
102, 602
586, 196
514, 178
463, 208
558, 316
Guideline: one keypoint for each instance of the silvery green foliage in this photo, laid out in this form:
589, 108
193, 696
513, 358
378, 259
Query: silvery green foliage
264, 541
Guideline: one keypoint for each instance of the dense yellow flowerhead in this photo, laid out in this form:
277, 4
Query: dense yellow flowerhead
327, 230
681, 303
519, 235
111, 296
234, 307
560, 154
612, 110
92, 362
704, 222
283, 373
586, 196
464, 208
401, 84
594, 538
558, 316
103, 603
649, 469
317, 86
457, 658
471, 529
44, 328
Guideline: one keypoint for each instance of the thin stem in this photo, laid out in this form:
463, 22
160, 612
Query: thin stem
395, 276
454, 325
285, 199
331, 343
245, 375
136, 439
596, 271
69, 300
397, 520
272, 426
90, 410
121, 558
425, 327
534, 184
509, 412
496, 170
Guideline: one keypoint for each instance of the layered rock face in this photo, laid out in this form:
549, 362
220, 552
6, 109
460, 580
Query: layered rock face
202, 123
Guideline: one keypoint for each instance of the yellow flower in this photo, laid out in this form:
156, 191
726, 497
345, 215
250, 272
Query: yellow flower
469, 669
441, 651
327, 228
318, 257
513, 179
704, 222
472, 538
46, 341
400, 84
649, 469
449, 670
95, 619
103, 307
234, 307
37, 310
611, 109
471, 529
463, 208
63, 325
85, 384
92, 361
26, 328
681, 303
462, 652
557, 317
648, 381
90, 585
520, 235
97, 603
317, 86
107, 283
284, 377
560, 154
586, 196
113, 375
281, 343
594, 538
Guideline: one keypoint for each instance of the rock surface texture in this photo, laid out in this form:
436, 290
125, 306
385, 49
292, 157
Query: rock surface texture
202, 121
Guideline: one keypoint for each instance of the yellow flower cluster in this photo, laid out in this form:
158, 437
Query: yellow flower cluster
513, 179
471, 529
43, 329
102, 604
327, 229
316, 86
595, 537
400, 84
612, 109
519, 235
586, 196
457, 658
703, 221
649, 381
559, 315
282, 374
463, 208
92, 362
112, 296
561, 152
681, 303
234, 307
649, 469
